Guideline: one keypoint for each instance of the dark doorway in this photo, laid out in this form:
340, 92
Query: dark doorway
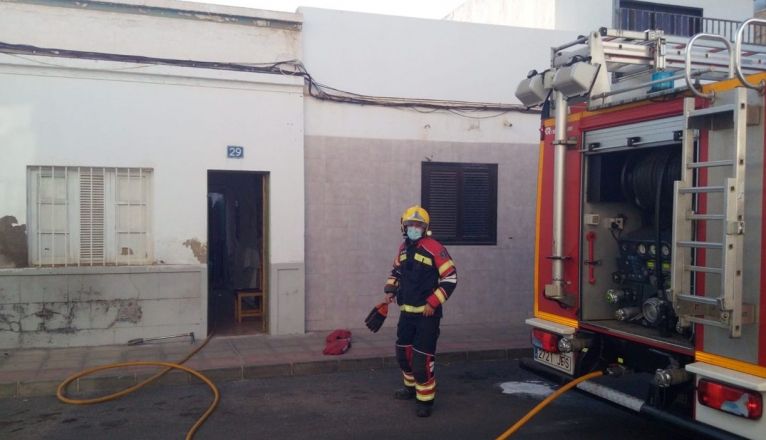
237, 266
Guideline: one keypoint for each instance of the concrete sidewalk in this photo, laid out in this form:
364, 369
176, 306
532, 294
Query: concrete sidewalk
31, 372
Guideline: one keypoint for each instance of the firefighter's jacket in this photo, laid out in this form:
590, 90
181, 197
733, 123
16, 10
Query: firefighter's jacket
423, 273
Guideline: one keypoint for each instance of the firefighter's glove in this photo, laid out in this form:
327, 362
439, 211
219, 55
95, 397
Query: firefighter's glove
377, 317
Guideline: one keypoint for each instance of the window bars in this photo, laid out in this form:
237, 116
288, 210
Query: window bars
89, 216
684, 25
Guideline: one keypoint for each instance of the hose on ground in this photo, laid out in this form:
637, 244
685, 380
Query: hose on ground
545, 403
61, 390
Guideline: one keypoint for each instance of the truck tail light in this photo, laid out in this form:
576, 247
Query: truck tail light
546, 341
730, 399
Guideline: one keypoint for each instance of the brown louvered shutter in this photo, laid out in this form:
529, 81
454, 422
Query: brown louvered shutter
91, 216
441, 198
462, 201
479, 205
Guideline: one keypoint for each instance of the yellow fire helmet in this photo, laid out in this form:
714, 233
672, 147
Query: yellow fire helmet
416, 214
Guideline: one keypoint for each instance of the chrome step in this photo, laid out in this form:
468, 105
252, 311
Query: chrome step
705, 217
700, 244
698, 320
701, 189
704, 269
700, 300
711, 164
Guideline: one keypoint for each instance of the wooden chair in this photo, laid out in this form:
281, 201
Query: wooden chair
250, 302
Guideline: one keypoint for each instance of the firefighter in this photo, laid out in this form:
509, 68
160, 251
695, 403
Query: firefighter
423, 278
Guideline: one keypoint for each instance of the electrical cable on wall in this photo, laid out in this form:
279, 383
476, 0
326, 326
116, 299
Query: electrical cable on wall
288, 67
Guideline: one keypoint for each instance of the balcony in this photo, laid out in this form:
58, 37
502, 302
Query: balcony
682, 25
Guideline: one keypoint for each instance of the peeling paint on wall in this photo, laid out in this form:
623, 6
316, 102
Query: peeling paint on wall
13, 242
96, 306
38, 317
198, 249
60, 317
44, 314
128, 311
9, 321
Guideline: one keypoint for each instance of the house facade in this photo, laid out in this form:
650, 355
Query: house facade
167, 156
106, 163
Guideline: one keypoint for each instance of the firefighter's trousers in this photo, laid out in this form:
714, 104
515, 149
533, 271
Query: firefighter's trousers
416, 337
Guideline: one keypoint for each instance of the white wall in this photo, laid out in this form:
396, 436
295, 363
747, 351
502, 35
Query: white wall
134, 31
324, 118
539, 14
584, 15
177, 126
116, 114
417, 58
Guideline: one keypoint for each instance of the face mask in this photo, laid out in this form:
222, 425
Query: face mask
414, 233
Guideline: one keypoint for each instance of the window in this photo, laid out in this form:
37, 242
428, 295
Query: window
674, 20
462, 201
89, 216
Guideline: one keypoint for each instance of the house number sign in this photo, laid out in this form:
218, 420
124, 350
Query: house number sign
235, 152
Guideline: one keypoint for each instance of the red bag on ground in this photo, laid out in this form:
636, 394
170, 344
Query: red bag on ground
338, 342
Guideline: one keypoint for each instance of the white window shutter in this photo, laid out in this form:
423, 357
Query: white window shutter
91, 216
131, 215
51, 216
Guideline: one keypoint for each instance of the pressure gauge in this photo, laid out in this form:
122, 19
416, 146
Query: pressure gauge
653, 249
665, 250
641, 249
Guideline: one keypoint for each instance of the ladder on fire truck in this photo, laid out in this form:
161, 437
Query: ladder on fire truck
630, 55
721, 173
693, 194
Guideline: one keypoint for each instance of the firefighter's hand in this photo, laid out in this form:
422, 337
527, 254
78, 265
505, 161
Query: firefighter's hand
389, 298
428, 310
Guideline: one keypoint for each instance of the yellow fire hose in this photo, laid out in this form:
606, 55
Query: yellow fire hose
60, 392
545, 403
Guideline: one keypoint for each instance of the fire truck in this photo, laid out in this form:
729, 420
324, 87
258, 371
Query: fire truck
651, 224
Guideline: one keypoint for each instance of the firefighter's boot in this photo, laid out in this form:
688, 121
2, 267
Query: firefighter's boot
404, 393
423, 410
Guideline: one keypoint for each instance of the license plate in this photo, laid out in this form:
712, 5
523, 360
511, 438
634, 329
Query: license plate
560, 361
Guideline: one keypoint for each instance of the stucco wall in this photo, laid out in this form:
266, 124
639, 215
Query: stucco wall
154, 28
416, 58
356, 190
178, 126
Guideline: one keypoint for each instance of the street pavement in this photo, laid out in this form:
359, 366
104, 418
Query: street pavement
343, 405
39, 371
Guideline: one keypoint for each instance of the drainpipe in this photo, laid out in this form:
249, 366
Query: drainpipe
555, 290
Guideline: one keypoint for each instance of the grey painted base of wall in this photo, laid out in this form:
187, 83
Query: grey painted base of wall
81, 306
287, 303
